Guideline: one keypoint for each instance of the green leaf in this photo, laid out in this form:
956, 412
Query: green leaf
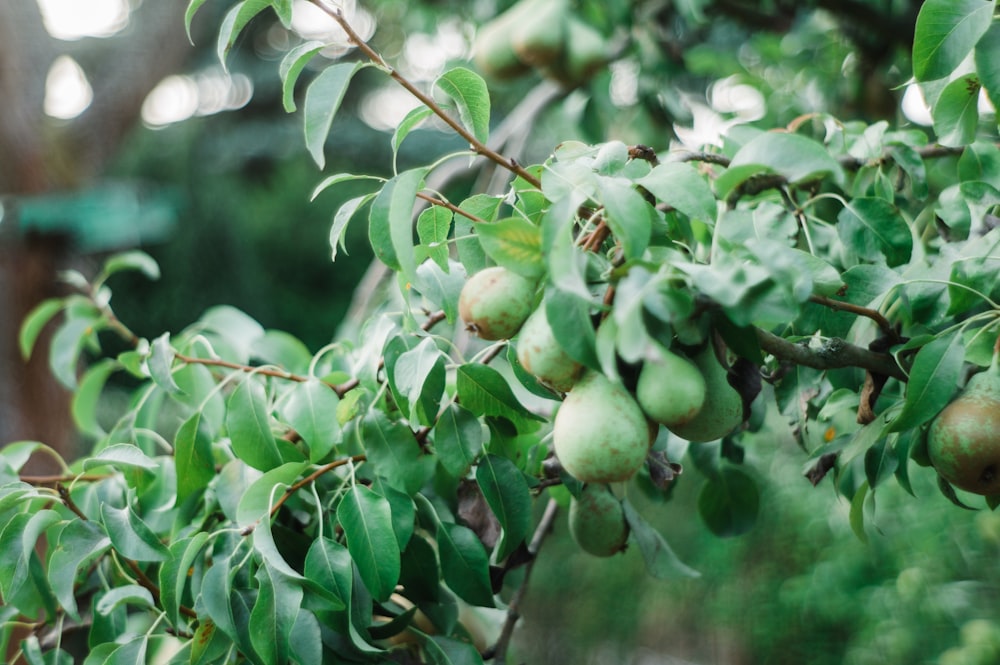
729, 502
945, 33
411, 121
681, 187
394, 452
33, 324
329, 573
873, 229
472, 97
514, 243
417, 376
956, 112
18, 539
441, 288
129, 594
880, 462
464, 564
312, 410
433, 227
569, 317
256, 501
345, 213
273, 615
174, 573
661, 562
193, 456
329, 181
792, 156
88, 394
131, 536
189, 13
458, 439
124, 456
160, 363
443, 650
506, 493
323, 98
291, 66
857, 514
76, 544
366, 518
988, 60
135, 259
933, 378
628, 215
249, 426
67, 343
390, 222
485, 392
233, 24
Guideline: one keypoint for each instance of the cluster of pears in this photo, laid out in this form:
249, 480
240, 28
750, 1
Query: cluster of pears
543, 35
963, 442
603, 431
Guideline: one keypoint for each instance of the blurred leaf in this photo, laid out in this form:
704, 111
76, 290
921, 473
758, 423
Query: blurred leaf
390, 222
323, 98
661, 562
956, 113
506, 492
84, 406
312, 410
35, 321
234, 22
443, 650
367, 522
132, 260
131, 536
160, 363
729, 502
67, 343
946, 32
880, 462
248, 423
792, 156
291, 66
933, 378
874, 229
189, 13
988, 60
470, 94
514, 243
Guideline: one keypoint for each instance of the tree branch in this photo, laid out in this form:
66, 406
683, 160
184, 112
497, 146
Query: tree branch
835, 354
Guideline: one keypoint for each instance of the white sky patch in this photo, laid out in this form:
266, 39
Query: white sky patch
177, 98
915, 108
67, 91
75, 19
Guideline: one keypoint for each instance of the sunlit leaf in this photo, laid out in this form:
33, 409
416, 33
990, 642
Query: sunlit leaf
956, 113
249, 426
232, 25
945, 33
323, 98
33, 324
469, 92
291, 66
390, 220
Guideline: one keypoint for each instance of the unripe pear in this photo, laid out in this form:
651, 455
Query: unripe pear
541, 38
495, 302
963, 442
722, 411
671, 389
597, 521
542, 357
600, 434
494, 49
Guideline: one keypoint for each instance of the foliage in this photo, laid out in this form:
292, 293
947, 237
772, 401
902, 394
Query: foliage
255, 501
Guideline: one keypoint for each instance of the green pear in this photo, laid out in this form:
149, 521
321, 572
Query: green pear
722, 411
495, 302
542, 357
963, 442
597, 521
494, 52
670, 389
541, 37
600, 434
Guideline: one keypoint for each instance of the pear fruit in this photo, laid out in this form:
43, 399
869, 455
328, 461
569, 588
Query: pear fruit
586, 52
541, 38
542, 357
494, 52
495, 302
670, 389
600, 434
722, 411
963, 442
597, 521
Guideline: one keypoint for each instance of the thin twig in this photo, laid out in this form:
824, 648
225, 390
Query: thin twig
514, 607
296, 486
450, 206
883, 323
477, 146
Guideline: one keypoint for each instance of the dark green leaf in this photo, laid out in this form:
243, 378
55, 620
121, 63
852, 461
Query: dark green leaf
394, 452
880, 462
131, 536
988, 60
465, 564
485, 392
312, 410
323, 98
729, 502
506, 491
933, 380
273, 615
366, 518
76, 544
193, 456
873, 228
661, 562
569, 317
174, 573
458, 439
328, 571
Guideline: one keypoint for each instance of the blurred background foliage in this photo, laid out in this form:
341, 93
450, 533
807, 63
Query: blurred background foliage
800, 587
